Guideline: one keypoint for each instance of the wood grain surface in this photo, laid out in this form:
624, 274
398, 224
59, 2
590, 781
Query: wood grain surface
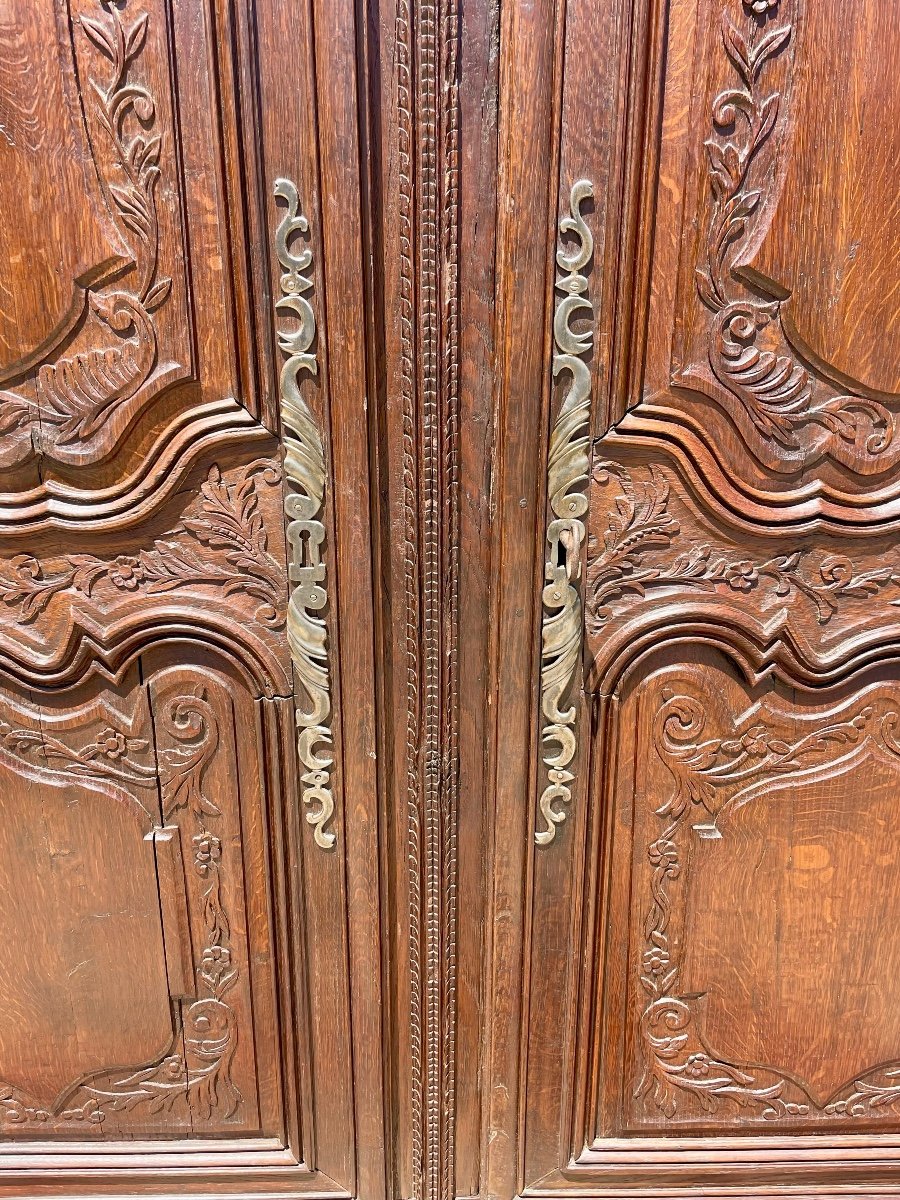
449, 599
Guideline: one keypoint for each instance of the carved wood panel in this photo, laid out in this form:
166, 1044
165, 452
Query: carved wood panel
806, 1035
187, 974
449, 598
692, 948
114, 373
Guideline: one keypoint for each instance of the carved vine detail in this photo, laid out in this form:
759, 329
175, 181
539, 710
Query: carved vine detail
229, 523
640, 523
305, 476
75, 396
109, 756
748, 353
678, 1063
568, 471
196, 1070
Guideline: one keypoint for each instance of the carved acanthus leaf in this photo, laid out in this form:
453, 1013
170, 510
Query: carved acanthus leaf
229, 523
639, 525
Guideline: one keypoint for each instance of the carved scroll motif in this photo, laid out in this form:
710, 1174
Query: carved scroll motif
304, 469
748, 352
683, 1076
70, 398
201, 1074
568, 469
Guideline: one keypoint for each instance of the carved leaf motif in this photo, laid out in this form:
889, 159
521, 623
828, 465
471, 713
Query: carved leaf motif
639, 525
100, 36
767, 47
783, 401
111, 756
158, 294
137, 35
230, 522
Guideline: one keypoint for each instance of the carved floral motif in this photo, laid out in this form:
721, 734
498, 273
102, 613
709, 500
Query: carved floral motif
568, 466
229, 524
679, 1067
748, 353
72, 397
195, 1073
639, 524
110, 756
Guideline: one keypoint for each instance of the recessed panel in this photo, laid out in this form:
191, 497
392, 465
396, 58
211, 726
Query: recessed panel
759, 972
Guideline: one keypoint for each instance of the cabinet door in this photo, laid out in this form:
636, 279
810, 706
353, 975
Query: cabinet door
190, 976
693, 896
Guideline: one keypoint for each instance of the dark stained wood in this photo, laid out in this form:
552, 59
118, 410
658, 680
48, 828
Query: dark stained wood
449, 599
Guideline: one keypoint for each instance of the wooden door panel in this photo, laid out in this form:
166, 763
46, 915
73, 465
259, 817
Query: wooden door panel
45, 141
191, 926
782, 425
137, 870
84, 974
699, 869
448, 598
736, 976
840, 305
120, 325
758, 976
132, 951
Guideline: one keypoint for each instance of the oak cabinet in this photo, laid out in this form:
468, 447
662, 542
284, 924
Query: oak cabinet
449, 699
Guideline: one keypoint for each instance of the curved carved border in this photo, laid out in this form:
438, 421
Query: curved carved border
801, 612
679, 1066
68, 401
219, 547
195, 1072
211, 426
683, 438
639, 525
229, 525
305, 475
568, 467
